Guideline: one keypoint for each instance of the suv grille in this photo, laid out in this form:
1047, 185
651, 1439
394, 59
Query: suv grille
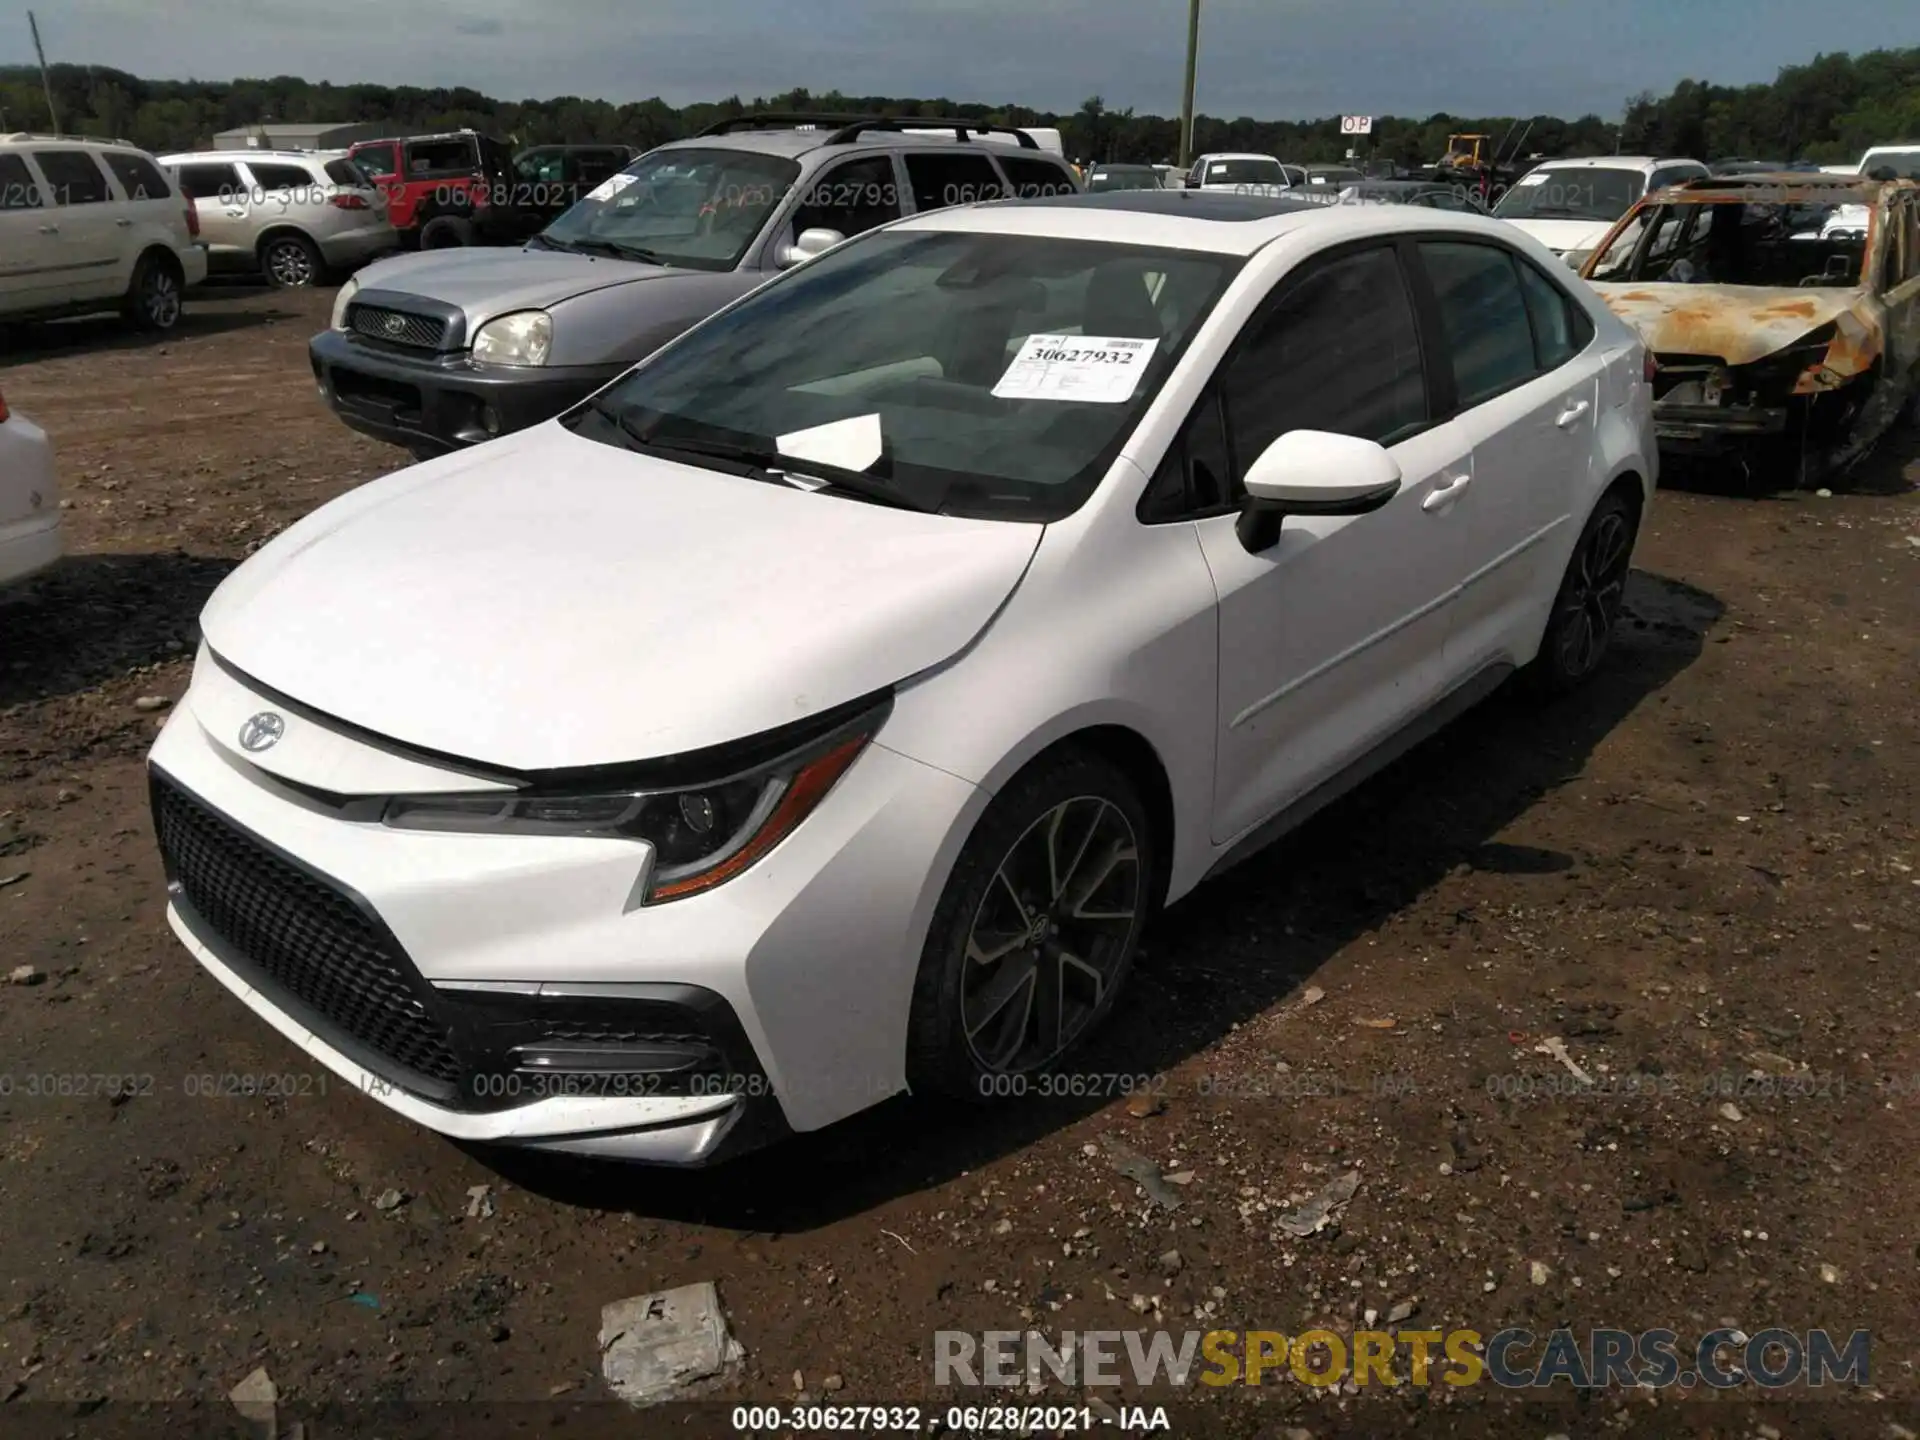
397, 327
304, 937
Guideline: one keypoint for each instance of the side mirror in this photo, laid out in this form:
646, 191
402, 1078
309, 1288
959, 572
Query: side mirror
810, 244
1313, 472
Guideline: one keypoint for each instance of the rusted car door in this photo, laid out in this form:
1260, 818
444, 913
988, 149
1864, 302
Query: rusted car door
1900, 287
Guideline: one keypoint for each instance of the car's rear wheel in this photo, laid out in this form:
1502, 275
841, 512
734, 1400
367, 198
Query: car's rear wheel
153, 296
446, 232
1036, 930
1587, 606
291, 262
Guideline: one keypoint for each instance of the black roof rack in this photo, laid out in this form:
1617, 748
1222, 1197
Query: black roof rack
962, 129
773, 120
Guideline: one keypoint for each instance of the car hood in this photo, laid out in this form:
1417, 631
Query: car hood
544, 602
1564, 236
485, 282
1744, 323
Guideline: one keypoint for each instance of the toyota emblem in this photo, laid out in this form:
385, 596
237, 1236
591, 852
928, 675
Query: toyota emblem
262, 732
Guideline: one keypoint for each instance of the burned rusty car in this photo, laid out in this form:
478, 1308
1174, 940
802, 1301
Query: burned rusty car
1782, 311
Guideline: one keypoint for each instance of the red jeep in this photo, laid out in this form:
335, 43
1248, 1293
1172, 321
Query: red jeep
447, 190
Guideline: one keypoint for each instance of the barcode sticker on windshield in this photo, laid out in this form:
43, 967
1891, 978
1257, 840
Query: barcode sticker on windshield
1101, 369
611, 187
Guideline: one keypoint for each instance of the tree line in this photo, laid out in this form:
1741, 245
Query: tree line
1829, 109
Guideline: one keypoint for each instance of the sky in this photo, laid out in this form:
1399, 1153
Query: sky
1271, 59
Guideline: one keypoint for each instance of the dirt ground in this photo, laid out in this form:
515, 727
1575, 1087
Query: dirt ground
1702, 877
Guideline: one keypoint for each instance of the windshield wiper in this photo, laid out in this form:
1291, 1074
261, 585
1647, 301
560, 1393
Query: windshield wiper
766, 462
614, 250
547, 242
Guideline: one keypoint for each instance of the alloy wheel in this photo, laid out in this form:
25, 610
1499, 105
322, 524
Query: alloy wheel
162, 299
1595, 587
289, 264
1050, 934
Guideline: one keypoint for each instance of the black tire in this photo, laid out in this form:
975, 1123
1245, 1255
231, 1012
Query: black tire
1587, 606
292, 262
976, 1021
446, 232
153, 295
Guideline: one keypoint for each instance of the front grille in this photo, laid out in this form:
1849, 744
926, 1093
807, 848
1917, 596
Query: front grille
301, 935
397, 327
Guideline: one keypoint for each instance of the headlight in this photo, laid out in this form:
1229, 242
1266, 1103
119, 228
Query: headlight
702, 835
341, 300
522, 338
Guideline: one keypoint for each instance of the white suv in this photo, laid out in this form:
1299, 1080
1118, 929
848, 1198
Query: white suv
90, 225
1570, 205
293, 216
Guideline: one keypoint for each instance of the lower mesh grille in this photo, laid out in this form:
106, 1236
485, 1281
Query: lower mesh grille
301, 934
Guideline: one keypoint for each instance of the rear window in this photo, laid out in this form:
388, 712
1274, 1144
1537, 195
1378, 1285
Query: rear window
18, 189
373, 160
138, 176
1244, 172
342, 172
1031, 177
427, 158
280, 177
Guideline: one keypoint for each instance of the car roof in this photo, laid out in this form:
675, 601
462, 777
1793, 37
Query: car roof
1238, 155
1809, 187
1223, 224
793, 143
1618, 162
193, 157
96, 142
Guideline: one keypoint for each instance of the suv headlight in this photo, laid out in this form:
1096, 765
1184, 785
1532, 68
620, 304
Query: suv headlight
702, 835
341, 301
522, 338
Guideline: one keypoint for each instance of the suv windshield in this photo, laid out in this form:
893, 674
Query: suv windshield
699, 209
989, 375
1772, 245
1584, 192
1243, 172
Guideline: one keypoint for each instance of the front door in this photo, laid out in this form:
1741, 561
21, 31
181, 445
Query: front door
30, 270
92, 228
1336, 636
223, 201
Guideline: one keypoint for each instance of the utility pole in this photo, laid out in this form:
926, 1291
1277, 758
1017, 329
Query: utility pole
1186, 104
46, 77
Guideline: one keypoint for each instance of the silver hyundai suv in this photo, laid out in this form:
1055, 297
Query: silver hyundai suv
446, 348
293, 216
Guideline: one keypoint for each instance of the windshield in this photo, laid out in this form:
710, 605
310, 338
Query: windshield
1772, 245
699, 209
1586, 192
1904, 163
1123, 180
1243, 172
986, 375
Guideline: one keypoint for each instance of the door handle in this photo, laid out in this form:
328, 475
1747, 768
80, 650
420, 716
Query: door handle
124, 223
1444, 494
1570, 416
49, 229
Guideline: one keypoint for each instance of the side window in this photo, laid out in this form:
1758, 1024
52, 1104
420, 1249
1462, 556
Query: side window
1031, 178
210, 182
593, 167
1195, 478
427, 158
279, 177
375, 161
1561, 329
1336, 350
73, 176
941, 178
138, 176
852, 197
1483, 317
542, 166
18, 189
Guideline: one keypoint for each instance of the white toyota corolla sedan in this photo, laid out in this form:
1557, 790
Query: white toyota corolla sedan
822, 708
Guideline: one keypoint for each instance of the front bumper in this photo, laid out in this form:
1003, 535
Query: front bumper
441, 974
1714, 428
440, 403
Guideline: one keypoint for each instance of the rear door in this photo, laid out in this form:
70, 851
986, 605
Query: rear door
1526, 380
86, 215
221, 198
